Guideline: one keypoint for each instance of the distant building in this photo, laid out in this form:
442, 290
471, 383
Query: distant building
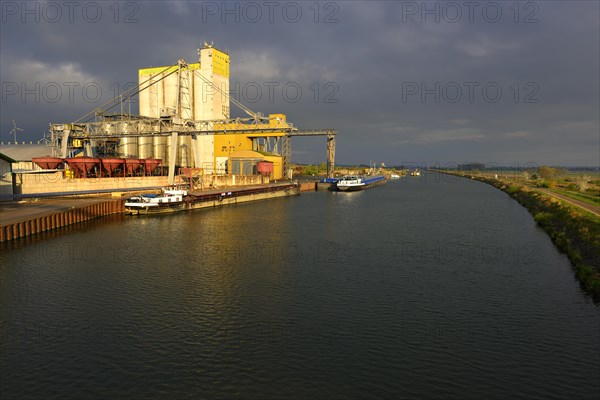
6, 177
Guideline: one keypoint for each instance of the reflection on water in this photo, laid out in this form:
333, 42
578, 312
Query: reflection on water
423, 288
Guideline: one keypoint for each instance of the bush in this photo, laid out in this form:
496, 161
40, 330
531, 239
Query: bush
542, 217
311, 170
589, 279
582, 184
547, 172
513, 189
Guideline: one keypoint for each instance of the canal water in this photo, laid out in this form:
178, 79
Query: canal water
426, 288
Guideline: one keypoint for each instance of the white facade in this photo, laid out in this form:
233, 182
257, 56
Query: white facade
196, 92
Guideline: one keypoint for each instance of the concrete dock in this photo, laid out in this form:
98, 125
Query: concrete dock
25, 218
28, 217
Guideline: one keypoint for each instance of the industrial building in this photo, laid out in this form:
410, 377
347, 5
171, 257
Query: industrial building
185, 122
6, 180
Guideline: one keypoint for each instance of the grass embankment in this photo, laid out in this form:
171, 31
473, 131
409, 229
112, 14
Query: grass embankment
575, 232
587, 198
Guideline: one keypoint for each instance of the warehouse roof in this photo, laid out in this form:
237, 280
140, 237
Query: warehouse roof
7, 158
25, 152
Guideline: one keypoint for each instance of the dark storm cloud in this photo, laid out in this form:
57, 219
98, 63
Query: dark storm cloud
427, 82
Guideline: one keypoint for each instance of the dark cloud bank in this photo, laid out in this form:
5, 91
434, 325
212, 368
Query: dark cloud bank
422, 82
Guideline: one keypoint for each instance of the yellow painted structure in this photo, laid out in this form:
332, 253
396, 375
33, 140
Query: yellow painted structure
189, 93
220, 65
244, 162
197, 83
227, 144
248, 158
232, 145
220, 62
250, 154
277, 165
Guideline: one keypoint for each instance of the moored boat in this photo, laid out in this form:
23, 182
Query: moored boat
178, 198
351, 183
171, 199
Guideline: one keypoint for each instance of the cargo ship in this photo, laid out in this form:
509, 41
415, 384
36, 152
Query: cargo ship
173, 199
170, 200
352, 183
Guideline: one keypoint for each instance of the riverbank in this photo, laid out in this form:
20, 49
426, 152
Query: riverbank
575, 232
19, 219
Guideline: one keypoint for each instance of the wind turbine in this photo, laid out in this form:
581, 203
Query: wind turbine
14, 130
44, 138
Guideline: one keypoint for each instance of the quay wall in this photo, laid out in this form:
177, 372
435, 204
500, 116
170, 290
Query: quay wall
308, 186
47, 222
325, 186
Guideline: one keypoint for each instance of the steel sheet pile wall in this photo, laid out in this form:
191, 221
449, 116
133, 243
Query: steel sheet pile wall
48, 222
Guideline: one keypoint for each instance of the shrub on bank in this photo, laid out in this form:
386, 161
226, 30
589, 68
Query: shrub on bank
588, 278
512, 189
544, 184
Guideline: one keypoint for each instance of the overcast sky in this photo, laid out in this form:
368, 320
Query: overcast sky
402, 82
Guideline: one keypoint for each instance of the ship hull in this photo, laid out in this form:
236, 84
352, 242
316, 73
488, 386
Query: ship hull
354, 188
211, 199
150, 209
361, 184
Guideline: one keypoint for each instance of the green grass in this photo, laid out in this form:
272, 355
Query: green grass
587, 198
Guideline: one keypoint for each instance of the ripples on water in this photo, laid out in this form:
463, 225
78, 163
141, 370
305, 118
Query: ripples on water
424, 288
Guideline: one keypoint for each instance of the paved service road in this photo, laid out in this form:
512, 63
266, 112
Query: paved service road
577, 203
